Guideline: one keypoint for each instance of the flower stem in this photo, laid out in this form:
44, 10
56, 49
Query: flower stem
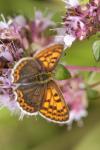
94, 84
91, 85
83, 68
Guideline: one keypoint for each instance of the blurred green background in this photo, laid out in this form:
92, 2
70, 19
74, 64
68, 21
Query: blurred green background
35, 133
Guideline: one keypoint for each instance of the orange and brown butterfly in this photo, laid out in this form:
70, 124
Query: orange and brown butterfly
37, 91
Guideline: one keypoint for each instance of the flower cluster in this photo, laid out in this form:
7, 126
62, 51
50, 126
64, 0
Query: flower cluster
81, 21
16, 37
38, 28
75, 97
6, 92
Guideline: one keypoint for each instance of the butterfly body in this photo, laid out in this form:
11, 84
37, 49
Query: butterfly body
38, 92
43, 77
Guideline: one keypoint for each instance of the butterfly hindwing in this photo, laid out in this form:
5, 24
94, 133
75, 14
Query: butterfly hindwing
29, 97
49, 57
53, 106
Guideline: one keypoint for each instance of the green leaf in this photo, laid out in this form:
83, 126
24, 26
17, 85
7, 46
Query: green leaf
96, 50
83, 1
62, 73
90, 141
92, 94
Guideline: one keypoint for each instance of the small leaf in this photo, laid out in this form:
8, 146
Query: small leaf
83, 1
96, 50
62, 73
92, 94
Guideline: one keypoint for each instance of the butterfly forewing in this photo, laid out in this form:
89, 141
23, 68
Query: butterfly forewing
53, 106
25, 70
49, 57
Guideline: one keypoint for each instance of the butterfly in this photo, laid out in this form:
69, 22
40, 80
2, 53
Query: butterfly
38, 92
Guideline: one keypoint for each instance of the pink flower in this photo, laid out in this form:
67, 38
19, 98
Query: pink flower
10, 52
71, 3
21, 26
75, 98
62, 37
7, 31
38, 27
6, 94
5, 53
10, 49
76, 27
82, 21
32, 33
7, 101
